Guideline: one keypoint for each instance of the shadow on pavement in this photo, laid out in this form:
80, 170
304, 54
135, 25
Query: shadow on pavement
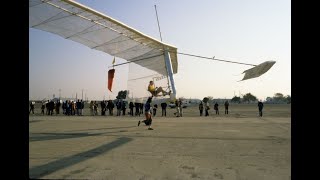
42, 170
54, 136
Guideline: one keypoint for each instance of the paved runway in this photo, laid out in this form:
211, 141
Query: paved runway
215, 147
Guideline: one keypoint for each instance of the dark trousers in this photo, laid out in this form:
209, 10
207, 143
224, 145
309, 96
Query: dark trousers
164, 111
50, 112
148, 122
103, 112
226, 111
201, 112
137, 113
131, 111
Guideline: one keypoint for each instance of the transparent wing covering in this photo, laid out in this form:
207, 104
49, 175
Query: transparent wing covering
84, 25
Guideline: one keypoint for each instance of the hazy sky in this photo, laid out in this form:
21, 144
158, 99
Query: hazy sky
248, 31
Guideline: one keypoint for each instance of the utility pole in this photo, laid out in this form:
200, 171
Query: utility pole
59, 93
82, 95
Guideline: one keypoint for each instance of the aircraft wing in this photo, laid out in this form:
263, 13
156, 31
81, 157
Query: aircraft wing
95, 30
258, 70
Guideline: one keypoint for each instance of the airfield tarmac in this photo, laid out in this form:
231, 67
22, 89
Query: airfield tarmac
237, 146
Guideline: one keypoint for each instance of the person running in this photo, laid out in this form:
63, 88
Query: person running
156, 90
147, 110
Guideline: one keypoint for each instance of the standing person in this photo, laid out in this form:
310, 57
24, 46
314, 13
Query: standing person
118, 105
82, 106
137, 105
201, 108
91, 108
226, 107
31, 107
155, 107
103, 108
58, 104
164, 108
260, 106
147, 110
123, 107
110, 107
78, 107
63, 107
141, 108
207, 107
95, 108
51, 107
73, 108
68, 107
42, 108
131, 108
216, 107
178, 108
47, 108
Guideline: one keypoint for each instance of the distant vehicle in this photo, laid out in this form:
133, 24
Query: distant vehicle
185, 104
172, 105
